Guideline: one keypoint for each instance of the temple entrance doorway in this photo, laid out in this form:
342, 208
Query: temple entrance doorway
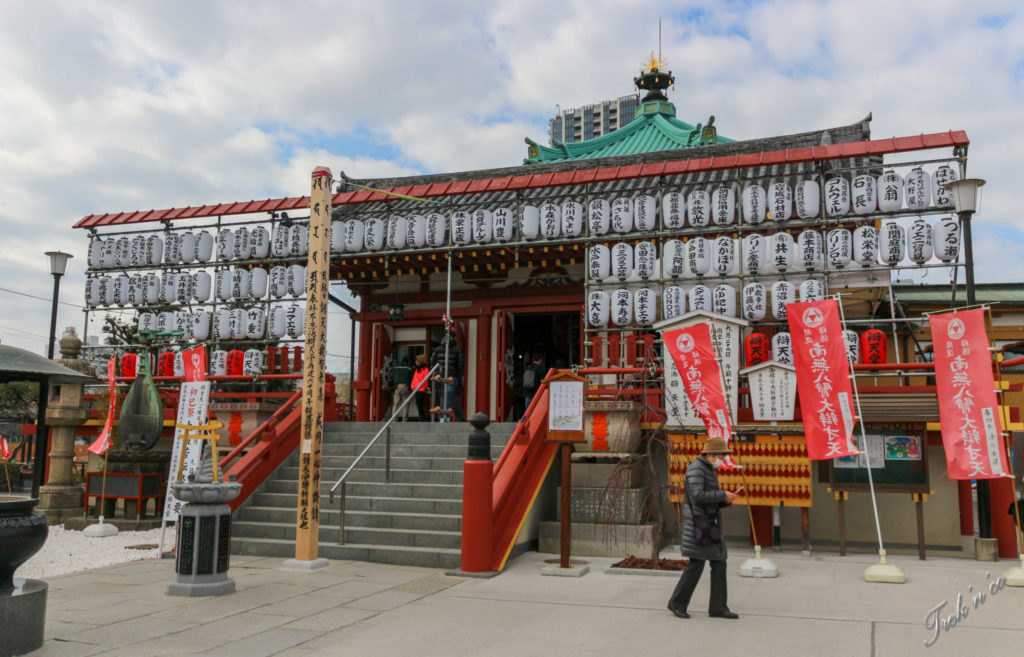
555, 336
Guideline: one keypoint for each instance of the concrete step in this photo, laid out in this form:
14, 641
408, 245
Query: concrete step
362, 503
353, 518
410, 450
425, 432
379, 475
404, 556
425, 538
451, 463
374, 489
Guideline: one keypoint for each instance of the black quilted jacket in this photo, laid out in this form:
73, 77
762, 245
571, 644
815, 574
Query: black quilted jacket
706, 498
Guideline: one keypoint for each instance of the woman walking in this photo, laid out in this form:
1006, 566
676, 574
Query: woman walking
702, 533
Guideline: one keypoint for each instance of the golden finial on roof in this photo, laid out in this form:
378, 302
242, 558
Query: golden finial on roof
654, 63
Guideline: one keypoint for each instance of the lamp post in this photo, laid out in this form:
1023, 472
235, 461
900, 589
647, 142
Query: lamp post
965, 201
58, 265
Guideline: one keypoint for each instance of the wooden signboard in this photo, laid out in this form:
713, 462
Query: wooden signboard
566, 392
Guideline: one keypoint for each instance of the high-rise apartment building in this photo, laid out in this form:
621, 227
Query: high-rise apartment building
590, 121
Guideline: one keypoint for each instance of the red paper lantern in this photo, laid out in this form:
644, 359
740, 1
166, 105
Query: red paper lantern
757, 349
128, 364
236, 357
165, 364
873, 347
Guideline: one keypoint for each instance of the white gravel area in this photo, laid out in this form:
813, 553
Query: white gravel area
68, 551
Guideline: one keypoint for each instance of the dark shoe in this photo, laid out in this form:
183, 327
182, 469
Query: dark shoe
724, 614
679, 613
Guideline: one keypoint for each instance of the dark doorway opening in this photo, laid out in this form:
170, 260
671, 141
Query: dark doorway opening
555, 336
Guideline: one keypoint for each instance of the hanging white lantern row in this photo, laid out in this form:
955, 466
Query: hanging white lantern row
337, 237
398, 232
807, 198
723, 254
865, 199
944, 175
891, 244
529, 222
723, 300
920, 241
572, 220
252, 362
622, 215
700, 298
673, 302
186, 288
183, 323
483, 225
754, 204
437, 230
259, 243
840, 248
165, 321
754, 254
755, 302
598, 308
255, 323
622, 261
222, 324
295, 321
645, 306
919, 189
95, 257
599, 262
354, 230
837, 197
890, 192
673, 210
373, 237
812, 290
258, 283
296, 280
852, 341
780, 201
223, 284
279, 241
622, 307
151, 288
462, 227
550, 220
240, 283
673, 258
780, 251
201, 286
645, 258
121, 290
147, 322
865, 245
298, 240
783, 294
225, 244
698, 208
598, 216
136, 290
201, 325
236, 322
106, 291
277, 325
123, 252
138, 255
218, 363
169, 289
723, 206
92, 292
946, 240
698, 256
242, 244
154, 250
278, 281
645, 212
782, 348
504, 224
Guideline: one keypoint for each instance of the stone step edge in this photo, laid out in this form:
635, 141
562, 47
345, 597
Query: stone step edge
372, 546
260, 523
354, 512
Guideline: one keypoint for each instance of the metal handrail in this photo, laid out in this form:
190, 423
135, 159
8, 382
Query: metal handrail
387, 453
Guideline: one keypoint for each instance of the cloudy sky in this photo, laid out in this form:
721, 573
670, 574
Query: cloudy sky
111, 106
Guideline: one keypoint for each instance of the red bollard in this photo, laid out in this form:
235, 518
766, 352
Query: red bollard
477, 486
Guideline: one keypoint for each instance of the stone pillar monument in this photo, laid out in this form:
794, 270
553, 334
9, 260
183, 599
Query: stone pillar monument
61, 499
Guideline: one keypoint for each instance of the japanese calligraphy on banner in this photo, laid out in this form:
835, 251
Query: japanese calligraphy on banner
195, 363
822, 378
193, 401
968, 409
694, 356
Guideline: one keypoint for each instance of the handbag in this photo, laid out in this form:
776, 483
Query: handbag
705, 528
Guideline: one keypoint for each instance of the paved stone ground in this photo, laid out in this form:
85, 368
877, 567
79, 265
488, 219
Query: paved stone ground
818, 606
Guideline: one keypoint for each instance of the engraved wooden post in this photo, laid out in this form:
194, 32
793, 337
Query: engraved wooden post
307, 519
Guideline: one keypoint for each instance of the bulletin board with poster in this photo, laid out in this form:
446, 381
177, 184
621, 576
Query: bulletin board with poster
898, 458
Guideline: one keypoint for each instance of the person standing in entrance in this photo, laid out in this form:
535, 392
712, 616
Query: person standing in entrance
704, 500
401, 377
419, 373
449, 349
533, 374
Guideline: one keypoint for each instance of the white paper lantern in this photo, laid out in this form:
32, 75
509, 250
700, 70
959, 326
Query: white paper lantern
807, 199
723, 254
106, 291
504, 224
865, 199
258, 283
673, 210
337, 237
780, 201
598, 216
222, 282
108, 258
946, 240
252, 362
809, 250
598, 308
354, 230
259, 243
437, 229
755, 302
700, 298
839, 248
919, 240
373, 236
147, 322
278, 281
673, 259
943, 175
550, 220
95, 257
919, 189
865, 246
169, 289
295, 321
462, 227
622, 261
754, 254
723, 206
754, 204
812, 290
398, 232
138, 256
225, 244
121, 290
698, 208
93, 297
483, 225
645, 306
891, 244
298, 240
183, 324
236, 322
529, 222
255, 323
222, 324
242, 243
186, 288
890, 192
296, 280
165, 321
123, 252
179, 363
201, 324
673, 302
599, 262
837, 197
218, 363
277, 326
151, 288
782, 348
279, 241
645, 259
240, 283
136, 290
154, 250
622, 307
852, 341
646, 215
783, 294
723, 300
698, 256
622, 215
780, 252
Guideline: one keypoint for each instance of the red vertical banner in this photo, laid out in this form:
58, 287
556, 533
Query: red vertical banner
694, 355
972, 433
103, 441
195, 364
822, 378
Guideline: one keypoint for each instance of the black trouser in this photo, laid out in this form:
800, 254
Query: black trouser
688, 582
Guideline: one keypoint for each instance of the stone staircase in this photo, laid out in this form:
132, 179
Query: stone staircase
415, 520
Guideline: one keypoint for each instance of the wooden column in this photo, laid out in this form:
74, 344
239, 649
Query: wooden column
484, 358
